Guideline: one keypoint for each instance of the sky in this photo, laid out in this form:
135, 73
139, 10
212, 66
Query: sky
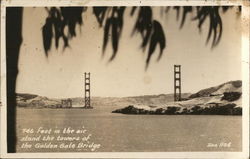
61, 74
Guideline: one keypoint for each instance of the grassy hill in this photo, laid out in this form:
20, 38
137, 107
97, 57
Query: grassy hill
35, 101
231, 86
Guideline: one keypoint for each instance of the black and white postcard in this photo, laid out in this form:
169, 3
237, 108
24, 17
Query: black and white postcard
124, 79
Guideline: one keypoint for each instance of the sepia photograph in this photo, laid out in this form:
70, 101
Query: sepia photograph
105, 79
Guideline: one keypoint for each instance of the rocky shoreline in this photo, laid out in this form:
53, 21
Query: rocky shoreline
228, 109
224, 99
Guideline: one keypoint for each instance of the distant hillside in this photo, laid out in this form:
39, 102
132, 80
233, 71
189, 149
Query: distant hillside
35, 101
224, 99
25, 96
232, 86
152, 100
31, 100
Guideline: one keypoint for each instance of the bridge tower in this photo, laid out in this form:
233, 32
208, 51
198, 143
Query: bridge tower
177, 82
87, 90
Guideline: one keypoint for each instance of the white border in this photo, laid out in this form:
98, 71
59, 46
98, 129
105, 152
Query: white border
245, 76
41, 3
3, 86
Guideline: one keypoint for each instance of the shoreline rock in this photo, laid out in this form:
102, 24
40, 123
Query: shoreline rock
228, 109
224, 99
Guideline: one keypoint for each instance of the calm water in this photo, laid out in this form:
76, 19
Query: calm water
137, 133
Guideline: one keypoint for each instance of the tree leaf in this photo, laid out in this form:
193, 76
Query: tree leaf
106, 34
158, 37
99, 13
115, 38
133, 11
177, 8
186, 10
47, 35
